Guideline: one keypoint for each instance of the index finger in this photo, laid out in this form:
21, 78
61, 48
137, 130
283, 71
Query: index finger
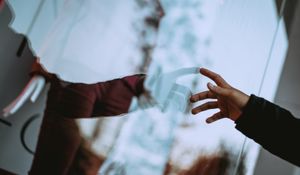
202, 96
215, 77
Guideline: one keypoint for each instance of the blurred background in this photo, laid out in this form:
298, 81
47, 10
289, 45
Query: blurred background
251, 43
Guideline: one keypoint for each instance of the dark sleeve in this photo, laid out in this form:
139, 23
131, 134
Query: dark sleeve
273, 127
115, 96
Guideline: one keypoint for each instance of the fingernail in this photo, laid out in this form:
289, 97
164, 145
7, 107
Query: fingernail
192, 99
201, 69
209, 120
194, 112
211, 85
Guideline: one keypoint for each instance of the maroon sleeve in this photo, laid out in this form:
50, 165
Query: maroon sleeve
114, 97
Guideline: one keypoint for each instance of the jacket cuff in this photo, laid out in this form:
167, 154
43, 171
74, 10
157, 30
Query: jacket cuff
135, 83
250, 117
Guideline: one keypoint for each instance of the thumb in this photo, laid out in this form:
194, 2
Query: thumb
217, 89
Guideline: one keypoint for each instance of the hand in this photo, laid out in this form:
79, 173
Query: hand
31, 91
144, 101
168, 94
229, 101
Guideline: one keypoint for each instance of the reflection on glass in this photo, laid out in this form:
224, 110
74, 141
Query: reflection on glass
96, 42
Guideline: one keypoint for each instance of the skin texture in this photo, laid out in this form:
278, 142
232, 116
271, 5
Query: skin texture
222, 96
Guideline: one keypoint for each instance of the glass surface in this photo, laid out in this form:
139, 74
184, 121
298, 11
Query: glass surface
88, 42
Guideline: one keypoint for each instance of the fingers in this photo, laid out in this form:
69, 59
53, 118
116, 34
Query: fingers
215, 117
20, 100
217, 90
205, 106
202, 96
24, 96
40, 83
215, 77
7, 109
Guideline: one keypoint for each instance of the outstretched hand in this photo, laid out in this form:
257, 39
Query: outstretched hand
228, 100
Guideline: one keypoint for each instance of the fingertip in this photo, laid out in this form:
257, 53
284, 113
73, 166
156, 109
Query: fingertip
201, 70
209, 120
192, 99
6, 114
194, 111
211, 86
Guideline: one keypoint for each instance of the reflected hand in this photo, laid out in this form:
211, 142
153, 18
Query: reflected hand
144, 101
166, 92
229, 101
31, 91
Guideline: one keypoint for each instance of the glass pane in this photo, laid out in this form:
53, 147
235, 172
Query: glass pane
91, 45
271, 76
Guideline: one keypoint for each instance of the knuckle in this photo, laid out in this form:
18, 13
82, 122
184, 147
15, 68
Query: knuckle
231, 93
192, 99
218, 77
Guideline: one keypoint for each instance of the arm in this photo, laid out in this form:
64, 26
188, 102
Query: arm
138, 92
275, 128
114, 97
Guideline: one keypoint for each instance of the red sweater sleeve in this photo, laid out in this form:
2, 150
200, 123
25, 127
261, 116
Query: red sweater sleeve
109, 98
115, 96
